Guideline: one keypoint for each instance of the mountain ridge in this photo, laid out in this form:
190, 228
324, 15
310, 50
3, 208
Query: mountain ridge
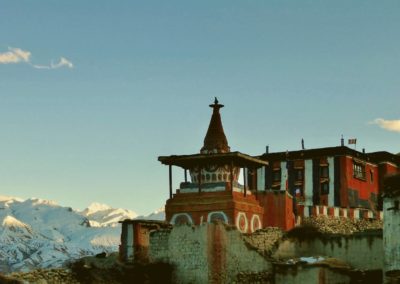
39, 233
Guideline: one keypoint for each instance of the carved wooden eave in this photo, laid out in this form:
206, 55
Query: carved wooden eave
191, 161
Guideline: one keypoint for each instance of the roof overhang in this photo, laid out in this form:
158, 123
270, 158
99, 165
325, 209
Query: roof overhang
190, 161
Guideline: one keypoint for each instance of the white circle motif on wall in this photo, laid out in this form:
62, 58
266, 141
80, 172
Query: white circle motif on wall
241, 222
255, 223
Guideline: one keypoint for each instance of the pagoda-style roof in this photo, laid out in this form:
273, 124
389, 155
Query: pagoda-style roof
215, 140
190, 161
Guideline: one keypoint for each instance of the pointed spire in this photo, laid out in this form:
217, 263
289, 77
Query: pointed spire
215, 140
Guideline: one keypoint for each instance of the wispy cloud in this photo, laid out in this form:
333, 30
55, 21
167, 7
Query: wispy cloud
390, 125
17, 55
14, 55
63, 62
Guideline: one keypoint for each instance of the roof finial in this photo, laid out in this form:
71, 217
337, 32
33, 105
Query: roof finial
216, 104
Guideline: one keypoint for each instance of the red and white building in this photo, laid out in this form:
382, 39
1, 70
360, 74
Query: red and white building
278, 188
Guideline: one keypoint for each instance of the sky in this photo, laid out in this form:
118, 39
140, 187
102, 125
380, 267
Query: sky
92, 92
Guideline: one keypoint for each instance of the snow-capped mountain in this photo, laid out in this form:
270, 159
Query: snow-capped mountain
40, 233
156, 215
102, 215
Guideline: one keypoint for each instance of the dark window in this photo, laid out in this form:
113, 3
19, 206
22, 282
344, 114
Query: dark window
324, 171
371, 175
299, 174
324, 188
276, 175
359, 170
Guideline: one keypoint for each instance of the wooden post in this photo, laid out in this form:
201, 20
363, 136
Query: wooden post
244, 181
254, 178
231, 175
185, 175
199, 178
266, 177
170, 181
256, 183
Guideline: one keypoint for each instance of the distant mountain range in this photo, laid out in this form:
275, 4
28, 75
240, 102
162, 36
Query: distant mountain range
102, 215
40, 233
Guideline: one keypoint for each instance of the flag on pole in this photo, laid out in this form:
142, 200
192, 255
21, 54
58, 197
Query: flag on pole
352, 141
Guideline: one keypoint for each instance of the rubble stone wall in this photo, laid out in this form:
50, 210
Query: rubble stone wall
362, 250
392, 233
309, 274
265, 241
158, 247
240, 258
210, 253
217, 253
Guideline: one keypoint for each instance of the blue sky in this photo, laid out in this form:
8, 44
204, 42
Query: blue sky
91, 92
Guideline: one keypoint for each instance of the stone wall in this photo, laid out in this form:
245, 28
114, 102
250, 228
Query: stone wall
159, 249
392, 233
240, 258
218, 253
362, 250
210, 253
184, 247
265, 241
309, 274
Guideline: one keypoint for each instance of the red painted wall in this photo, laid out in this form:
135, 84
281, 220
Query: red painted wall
364, 187
278, 209
387, 169
199, 205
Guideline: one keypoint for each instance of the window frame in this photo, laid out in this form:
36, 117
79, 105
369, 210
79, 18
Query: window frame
359, 170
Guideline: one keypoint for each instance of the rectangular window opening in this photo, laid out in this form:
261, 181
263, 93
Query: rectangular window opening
325, 188
359, 170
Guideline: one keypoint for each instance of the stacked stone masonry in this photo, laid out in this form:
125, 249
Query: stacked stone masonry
205, 254
217, 253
